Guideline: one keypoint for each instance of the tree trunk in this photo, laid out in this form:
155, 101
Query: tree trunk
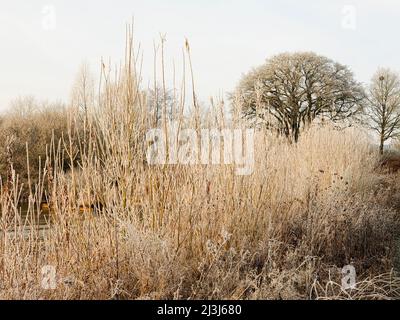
296, 135
381, 145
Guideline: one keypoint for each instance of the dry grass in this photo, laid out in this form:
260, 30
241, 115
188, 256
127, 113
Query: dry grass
193, 232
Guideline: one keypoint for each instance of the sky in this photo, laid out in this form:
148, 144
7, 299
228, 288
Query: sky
43, 43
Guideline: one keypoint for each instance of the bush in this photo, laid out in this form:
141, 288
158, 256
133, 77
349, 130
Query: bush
29, 126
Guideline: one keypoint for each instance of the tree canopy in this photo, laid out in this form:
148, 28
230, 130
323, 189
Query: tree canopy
290, 90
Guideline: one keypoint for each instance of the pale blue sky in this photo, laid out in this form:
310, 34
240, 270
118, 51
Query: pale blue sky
227, 38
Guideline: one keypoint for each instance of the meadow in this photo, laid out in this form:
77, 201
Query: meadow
119, 228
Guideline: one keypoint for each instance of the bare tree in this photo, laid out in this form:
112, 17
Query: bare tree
290, 90
383, 109
83, 91
23, 106
159, 99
